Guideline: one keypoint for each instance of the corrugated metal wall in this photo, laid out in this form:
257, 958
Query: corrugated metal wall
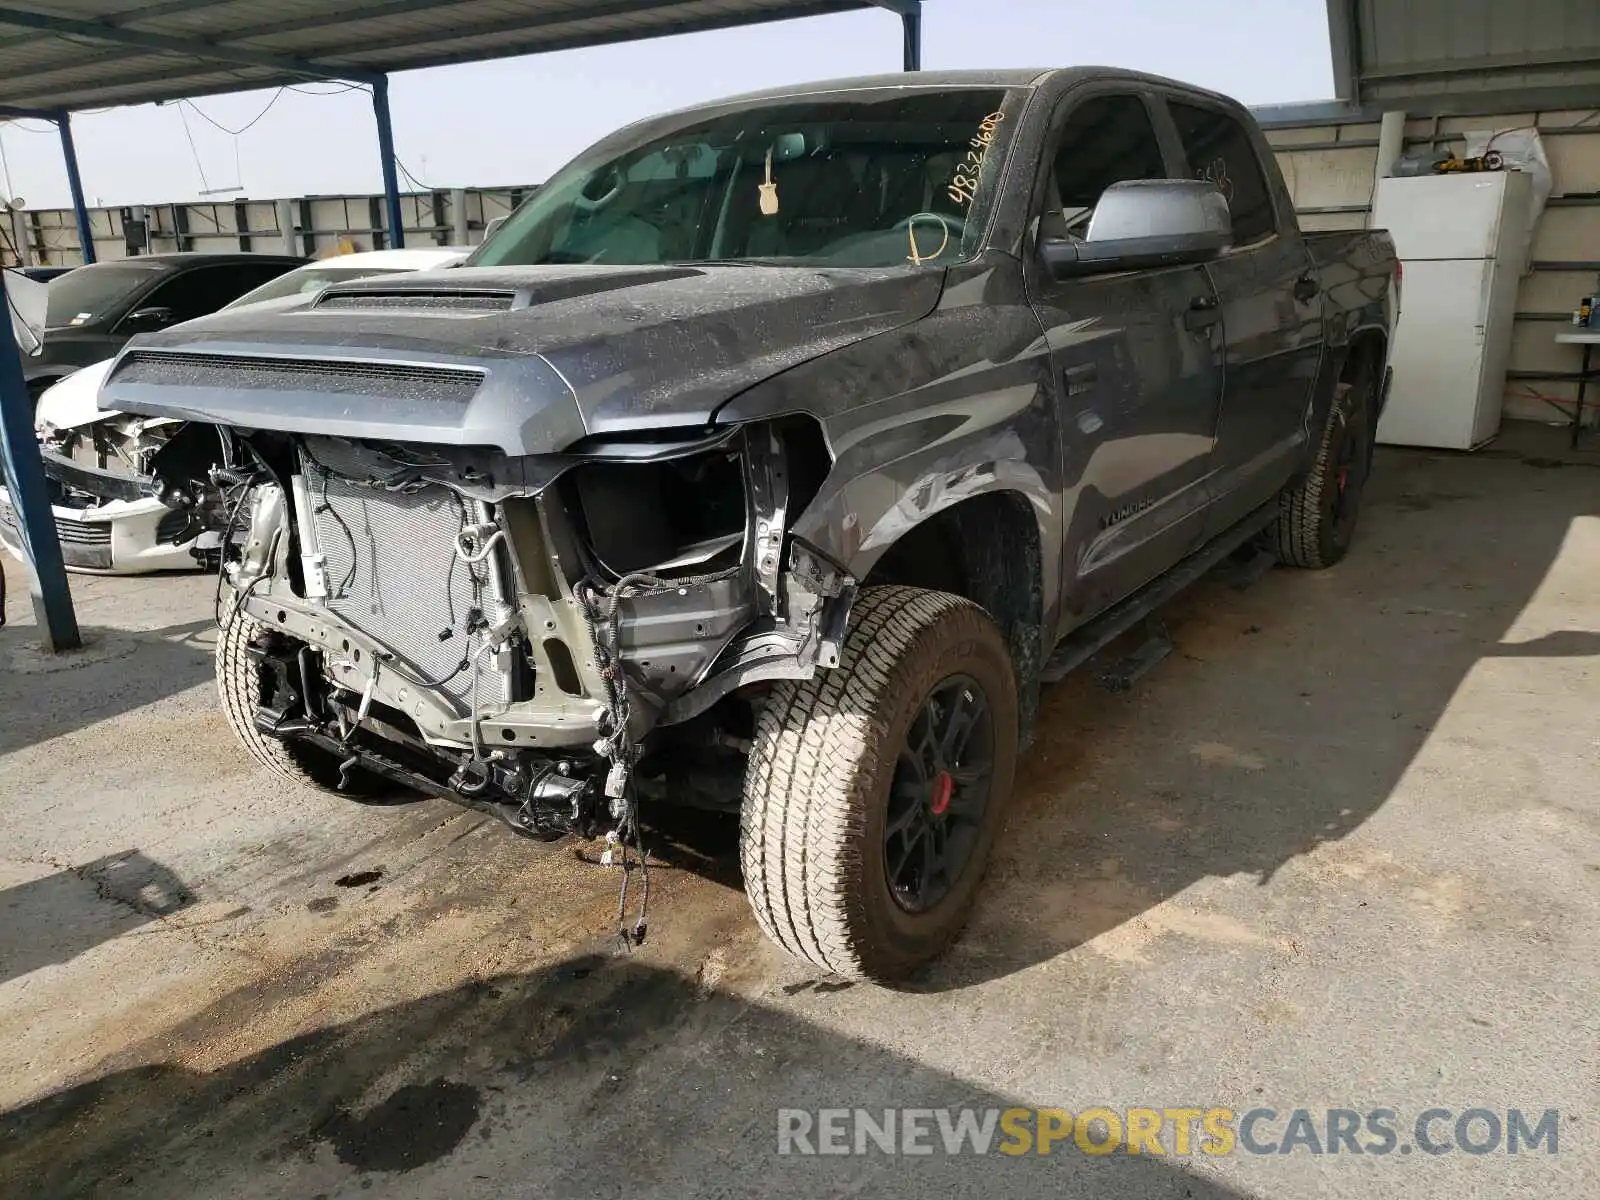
317, 225
1330, 169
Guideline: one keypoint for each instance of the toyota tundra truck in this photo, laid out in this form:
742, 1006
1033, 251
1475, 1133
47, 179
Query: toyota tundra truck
768, 459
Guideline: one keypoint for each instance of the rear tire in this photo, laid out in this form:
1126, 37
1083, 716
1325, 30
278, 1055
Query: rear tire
239, 688
851, 768
1317, 515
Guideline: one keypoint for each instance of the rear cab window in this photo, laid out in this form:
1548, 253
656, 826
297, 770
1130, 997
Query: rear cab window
1219, 149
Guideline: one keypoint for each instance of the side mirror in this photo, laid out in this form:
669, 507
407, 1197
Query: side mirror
140, 320
1145, 223
493, 227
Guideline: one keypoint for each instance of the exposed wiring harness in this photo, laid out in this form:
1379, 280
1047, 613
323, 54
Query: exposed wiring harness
602, 609
241, 484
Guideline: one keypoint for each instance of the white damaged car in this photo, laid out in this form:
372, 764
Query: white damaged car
97, 462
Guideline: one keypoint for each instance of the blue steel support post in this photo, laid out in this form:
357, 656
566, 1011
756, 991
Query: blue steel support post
391, 182
75, 183
24, 477
911, 24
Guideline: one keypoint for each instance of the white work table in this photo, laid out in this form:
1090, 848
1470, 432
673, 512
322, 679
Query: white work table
1588, 339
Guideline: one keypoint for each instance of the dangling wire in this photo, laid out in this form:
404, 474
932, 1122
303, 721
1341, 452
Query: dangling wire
602, 614
619, 839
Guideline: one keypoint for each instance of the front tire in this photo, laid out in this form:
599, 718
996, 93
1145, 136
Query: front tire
1317, 515
239, 688
875, 791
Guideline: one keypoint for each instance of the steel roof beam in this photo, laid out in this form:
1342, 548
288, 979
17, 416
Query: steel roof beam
200, 49
391, 8
511, 26
339, 16
1344, 41
351, 14
128, 16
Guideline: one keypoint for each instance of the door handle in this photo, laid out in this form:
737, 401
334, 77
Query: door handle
1306, 288
1204, 312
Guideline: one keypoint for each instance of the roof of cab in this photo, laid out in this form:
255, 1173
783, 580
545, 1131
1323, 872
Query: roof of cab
1008, 77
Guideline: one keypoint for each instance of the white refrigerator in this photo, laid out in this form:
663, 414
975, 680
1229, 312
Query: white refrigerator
1463, 240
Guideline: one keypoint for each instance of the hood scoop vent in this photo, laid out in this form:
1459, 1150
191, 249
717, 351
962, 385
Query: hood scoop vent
237, 371
440, 300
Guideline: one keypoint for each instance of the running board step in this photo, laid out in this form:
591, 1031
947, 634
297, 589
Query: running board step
1085, 642
1245, 569
1121, 675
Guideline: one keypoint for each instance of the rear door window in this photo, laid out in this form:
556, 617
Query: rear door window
1219, 150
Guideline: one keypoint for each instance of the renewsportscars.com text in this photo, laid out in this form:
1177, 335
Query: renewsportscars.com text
1166, 1131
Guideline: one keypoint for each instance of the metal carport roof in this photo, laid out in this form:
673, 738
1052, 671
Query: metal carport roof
77, 54
83, 54
1442, 57
1438, 55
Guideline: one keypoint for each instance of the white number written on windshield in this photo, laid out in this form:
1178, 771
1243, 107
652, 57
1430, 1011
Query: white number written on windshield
964, 186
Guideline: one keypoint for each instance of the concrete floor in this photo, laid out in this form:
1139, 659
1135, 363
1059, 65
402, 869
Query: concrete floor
1341, 850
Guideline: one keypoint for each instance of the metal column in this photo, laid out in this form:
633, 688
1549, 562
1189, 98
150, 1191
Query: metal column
391, 182
75, 183
911, 24
24, 476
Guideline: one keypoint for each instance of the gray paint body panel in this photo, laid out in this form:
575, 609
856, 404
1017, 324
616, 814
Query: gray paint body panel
1093, 400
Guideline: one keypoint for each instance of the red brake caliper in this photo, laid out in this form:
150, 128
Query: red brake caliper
943, 786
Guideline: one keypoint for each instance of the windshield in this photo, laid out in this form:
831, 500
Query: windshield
867, 179
306, 281
91, 292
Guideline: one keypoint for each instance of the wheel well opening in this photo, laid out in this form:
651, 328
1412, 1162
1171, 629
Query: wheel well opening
1367, 347
985, 549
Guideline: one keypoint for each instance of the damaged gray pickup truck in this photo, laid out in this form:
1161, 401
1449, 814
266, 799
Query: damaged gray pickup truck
769, 458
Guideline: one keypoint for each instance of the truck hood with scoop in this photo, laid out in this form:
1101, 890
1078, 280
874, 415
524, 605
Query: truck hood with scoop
71, 403
528, 359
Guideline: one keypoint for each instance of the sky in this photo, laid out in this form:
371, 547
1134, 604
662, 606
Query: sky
514, 121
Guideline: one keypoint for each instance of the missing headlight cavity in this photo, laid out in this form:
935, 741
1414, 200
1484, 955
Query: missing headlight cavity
684, 516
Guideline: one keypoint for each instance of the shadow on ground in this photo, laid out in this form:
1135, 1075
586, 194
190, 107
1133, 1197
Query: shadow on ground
595, 1077
1285, 719
43, 696
1287, 716
1565, 643
58, 916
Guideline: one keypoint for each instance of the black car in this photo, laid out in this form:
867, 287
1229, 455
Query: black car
94, 309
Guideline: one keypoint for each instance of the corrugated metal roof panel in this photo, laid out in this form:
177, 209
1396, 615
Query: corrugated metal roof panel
187, 47
1387, 52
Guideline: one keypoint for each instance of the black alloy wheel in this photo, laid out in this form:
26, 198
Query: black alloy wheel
1352, 465
939, 794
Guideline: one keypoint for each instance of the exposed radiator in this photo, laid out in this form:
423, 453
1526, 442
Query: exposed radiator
393, 573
